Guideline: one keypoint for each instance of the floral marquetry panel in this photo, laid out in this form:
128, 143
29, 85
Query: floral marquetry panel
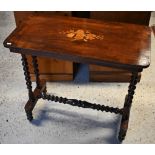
81, 35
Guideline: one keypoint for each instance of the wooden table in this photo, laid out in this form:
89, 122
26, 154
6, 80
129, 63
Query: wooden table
118, 45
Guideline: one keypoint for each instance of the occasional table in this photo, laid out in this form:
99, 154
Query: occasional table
117, 45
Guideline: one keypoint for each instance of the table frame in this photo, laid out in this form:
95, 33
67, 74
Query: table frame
40, 92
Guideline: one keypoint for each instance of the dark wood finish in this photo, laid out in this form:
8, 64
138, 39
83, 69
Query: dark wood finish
58, 70
77, 66
81, 14
108, 74
131, 43
119, 39
20, 16
127, 106
27, 77
50, 69
54, 77
36, 71
37, 95
133, 17
83, 104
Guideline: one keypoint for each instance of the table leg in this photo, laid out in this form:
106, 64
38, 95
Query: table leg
40, 86
29, 87
127, 106
36, 71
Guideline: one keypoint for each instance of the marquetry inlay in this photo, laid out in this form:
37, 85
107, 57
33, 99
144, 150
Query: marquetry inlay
81, 35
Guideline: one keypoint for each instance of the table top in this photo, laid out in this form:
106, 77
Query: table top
83, 40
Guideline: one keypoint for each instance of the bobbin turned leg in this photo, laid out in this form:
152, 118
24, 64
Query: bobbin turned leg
127, 107
36, 71
40, 86
29, 109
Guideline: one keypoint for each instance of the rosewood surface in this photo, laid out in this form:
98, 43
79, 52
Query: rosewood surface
122, 45
119, 45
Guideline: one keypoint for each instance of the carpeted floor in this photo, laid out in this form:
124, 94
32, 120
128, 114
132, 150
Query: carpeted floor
58, 123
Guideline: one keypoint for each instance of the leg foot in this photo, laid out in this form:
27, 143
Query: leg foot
122, 134
31, 104
124, 126
28, 109
29, 116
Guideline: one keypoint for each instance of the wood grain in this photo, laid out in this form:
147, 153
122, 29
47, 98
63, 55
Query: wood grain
133, 17
124, 45
109, 74
50, 69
